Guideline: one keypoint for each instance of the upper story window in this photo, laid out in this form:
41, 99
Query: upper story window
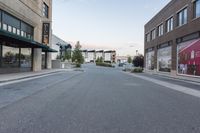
182, 17
148, 37
45, 10
153, 34
197, 9
16, 26
170, 24
160, 30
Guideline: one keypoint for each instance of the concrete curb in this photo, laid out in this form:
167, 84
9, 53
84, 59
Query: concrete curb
34, 75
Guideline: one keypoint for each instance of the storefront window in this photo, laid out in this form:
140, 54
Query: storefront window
150, 60
164, 59
10, 57
189, 58
44, 60
26, 59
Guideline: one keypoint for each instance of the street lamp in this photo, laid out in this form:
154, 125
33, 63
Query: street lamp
136, 52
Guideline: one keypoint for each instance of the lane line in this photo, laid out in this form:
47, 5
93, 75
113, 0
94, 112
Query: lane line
175, 87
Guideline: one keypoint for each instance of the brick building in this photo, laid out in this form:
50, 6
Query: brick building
172, 39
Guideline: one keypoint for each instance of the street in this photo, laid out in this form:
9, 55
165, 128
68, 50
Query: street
98, 100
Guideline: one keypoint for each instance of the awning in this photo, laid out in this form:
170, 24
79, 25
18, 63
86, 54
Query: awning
48, 49
13, 40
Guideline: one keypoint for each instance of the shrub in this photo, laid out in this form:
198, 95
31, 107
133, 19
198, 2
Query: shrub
137, 70
78, 65
104, 64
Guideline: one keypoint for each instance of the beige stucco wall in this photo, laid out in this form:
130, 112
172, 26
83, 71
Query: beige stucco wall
31, 12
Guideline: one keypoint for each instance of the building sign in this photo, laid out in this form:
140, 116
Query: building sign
189, 58
150, 60
164, 59
45, 33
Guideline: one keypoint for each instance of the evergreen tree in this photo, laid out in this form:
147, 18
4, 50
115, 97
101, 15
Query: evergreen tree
129, 60
77, 56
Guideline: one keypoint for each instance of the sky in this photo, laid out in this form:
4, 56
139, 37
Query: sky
105, 24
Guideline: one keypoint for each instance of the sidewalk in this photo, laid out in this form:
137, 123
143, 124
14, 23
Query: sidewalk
181, 82
178, 77
192, 89
23, 75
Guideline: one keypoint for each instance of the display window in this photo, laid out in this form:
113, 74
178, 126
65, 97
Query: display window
189, 58
150, 60
164, 59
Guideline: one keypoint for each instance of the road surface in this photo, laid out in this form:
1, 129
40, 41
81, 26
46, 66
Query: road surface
98, 100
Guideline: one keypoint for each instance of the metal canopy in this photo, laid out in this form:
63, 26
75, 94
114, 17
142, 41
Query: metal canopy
13, 40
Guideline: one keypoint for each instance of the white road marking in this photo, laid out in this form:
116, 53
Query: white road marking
179, 88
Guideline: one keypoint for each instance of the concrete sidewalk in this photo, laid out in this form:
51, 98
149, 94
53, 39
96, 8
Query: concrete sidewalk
160, 78
23, 75
178, 77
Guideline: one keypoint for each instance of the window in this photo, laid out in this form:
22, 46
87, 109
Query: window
14, 30
18, 32
0, 19
182, 17
160, 30
197, 8
188, 56
153, 34
26, 28
26, 58
164, 59
22, 33
45, 10
5, 27
148, 37
10, 20
28, 36
10, 57
170, 24
9, 28
150, 60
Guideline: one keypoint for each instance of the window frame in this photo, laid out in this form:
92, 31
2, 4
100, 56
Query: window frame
148, 37
45, 10
153, 34
182, 16
195, 15
170, 24
160, 30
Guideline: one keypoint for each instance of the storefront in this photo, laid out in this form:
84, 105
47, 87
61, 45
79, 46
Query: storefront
17, 45
188, 57
15, 59
164, 59
150, 55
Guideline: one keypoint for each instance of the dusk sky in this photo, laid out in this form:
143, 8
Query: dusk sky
105, 24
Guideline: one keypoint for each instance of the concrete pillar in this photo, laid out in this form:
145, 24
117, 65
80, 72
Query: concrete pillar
49, 63
37, 59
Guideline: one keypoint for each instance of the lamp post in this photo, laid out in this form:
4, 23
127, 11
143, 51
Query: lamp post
136, 52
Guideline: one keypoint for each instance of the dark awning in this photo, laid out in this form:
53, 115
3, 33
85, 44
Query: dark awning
13, 40
48, 49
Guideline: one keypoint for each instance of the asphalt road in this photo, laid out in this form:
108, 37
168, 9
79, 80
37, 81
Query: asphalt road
99, 100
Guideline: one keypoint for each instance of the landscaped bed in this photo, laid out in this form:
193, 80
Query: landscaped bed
104, 64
